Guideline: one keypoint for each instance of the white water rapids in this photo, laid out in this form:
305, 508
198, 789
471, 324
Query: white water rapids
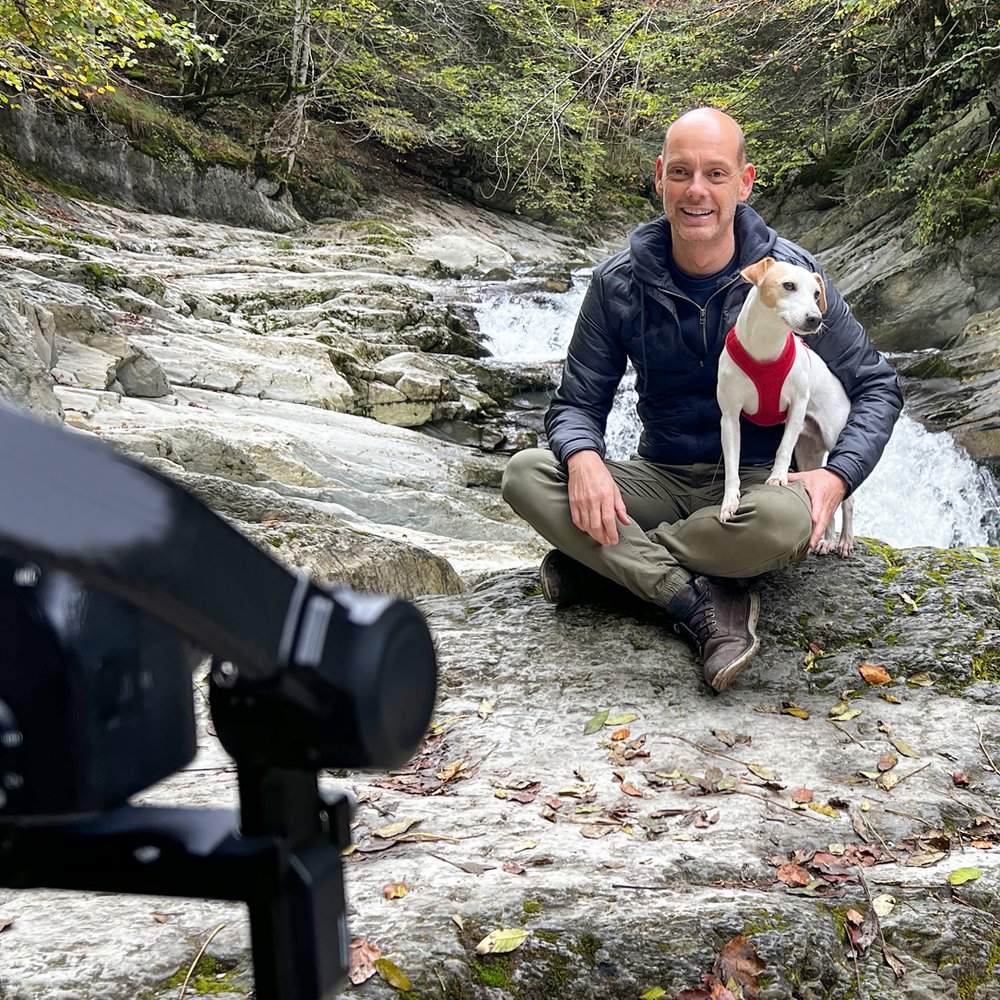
924, 491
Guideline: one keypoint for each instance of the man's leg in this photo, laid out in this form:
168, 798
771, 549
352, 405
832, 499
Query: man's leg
535, 486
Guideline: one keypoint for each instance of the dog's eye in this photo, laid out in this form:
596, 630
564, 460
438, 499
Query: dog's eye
789, 286
816, 295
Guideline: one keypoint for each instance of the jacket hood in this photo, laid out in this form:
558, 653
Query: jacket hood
649, 245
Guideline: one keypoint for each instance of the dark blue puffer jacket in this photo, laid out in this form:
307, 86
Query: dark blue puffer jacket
630, 314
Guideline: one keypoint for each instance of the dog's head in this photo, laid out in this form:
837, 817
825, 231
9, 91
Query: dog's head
796, 294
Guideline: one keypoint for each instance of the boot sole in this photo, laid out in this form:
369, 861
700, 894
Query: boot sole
732, 670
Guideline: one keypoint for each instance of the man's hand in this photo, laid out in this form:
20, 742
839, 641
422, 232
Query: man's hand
826, 493
595, 502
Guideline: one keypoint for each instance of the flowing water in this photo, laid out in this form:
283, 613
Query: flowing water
924, 491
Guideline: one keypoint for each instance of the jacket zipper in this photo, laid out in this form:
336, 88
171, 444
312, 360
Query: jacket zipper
702, 311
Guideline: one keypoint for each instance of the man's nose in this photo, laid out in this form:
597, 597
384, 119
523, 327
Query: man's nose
697, 185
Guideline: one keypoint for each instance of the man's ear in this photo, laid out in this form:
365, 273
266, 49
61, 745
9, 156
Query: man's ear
754, 273
822, 292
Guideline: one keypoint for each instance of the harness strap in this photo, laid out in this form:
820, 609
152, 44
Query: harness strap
767, 376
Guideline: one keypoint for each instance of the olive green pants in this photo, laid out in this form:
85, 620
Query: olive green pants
675, 531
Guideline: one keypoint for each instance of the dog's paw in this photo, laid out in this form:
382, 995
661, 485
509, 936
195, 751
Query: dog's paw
845, 546
729, 508
777, 480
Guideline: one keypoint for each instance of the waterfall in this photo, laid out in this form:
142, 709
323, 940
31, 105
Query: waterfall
924, 491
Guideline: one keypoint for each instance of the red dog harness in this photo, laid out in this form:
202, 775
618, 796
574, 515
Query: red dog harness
767, 376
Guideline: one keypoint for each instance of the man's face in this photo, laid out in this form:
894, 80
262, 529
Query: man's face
700, 179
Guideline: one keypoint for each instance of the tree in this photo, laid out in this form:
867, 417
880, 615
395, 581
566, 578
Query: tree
67, 50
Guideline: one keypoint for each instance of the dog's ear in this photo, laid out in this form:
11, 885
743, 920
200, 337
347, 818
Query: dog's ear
755, 272
822, 293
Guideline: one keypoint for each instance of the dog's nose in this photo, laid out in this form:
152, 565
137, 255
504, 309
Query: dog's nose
812, 322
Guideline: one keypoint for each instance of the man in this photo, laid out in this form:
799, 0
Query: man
651, 524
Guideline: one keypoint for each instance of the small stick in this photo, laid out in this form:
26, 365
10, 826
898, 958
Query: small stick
704, 749
651, 888
912, 773
986, 753
833, 722
197, 959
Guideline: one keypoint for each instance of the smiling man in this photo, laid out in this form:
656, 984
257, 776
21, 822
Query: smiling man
650, 524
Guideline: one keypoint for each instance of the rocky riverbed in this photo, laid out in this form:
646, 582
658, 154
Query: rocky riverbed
580, 787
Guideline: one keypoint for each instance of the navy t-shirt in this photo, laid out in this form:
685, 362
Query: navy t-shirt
699, 289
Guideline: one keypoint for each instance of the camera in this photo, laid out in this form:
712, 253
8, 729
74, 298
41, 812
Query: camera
113, 579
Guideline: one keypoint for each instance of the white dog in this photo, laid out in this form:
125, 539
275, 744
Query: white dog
795, 385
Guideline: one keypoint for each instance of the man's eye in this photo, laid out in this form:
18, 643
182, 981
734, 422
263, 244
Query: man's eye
789, 286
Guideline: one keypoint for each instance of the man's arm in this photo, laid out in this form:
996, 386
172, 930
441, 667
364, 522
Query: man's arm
871, 385
576, 419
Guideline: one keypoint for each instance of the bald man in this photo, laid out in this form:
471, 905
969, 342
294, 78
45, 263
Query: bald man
650, 524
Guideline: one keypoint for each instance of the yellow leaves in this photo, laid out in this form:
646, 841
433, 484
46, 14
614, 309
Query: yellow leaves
825, 810
502, 940
962, 875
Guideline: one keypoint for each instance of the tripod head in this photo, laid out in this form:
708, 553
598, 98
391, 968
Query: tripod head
110, 576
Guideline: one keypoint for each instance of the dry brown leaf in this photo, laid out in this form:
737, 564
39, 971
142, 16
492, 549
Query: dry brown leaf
802, 796
446, 774
364, 955
887, 761
395, 890
874, 674
621, 734
961, 780
6, 922
631, 790
739, 964
982, 845
160, 918
792, 874
513, 868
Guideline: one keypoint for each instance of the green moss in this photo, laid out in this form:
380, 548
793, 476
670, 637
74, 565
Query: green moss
587, 948
968, 986
764, 920
490, 975
549, 937
210, 975
102, 275
532, 906
986, 667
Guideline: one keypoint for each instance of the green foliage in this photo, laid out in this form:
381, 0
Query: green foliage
67, 50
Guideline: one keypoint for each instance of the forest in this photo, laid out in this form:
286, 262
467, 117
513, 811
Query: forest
554, 108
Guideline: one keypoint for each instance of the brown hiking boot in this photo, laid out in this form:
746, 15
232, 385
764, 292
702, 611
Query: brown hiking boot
564, 581
720, 619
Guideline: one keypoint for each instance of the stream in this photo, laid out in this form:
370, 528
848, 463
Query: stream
924, 491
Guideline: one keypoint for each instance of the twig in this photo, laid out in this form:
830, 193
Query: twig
779, 805
886, 950
651, 888
986, 753
878, 836
912, 773
197, 959
704, 749
833, 722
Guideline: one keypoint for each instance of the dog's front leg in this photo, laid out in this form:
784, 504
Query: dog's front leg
731, 463
794, 423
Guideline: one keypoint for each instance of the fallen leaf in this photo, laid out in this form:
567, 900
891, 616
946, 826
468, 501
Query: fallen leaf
654, 994
842, 711
621, 720
513, 868
888, 780
160, 918
469, 867
449, 772
501, 940
961, 780
485, 709
799, 713
883, 904
983, 845
594, 832
738, 966
923, 679
891, 698
724, 737
887, 761
904, 749
456, 919
596, 724
525, 845
392, 974
962, 875
802, 796
898, 969
620, 734
395, 829
792, 874
395, 890
762, 772
924, 860
631, 790
824, 809
874, 674
362, 963
911, 604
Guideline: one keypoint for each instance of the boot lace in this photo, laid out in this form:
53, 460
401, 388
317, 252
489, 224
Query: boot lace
700, 621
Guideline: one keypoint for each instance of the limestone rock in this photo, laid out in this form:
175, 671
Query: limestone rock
26, 350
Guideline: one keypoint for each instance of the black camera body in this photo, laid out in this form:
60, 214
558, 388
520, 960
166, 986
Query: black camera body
95, 696
111, 577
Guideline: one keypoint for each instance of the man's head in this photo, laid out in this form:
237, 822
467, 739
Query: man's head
700, 175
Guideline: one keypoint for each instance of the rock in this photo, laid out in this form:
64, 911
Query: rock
26, 352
